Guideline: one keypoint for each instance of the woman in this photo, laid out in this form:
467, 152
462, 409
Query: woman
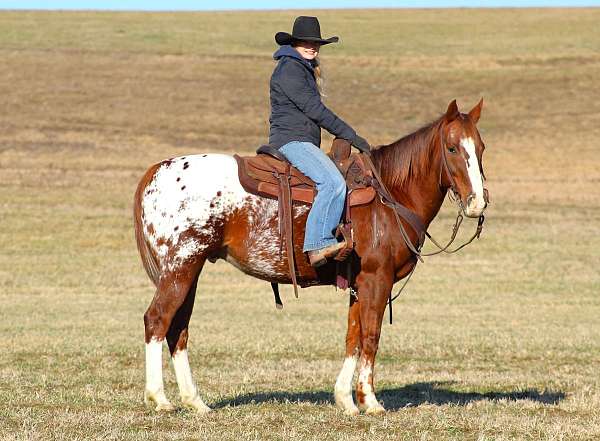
297, 115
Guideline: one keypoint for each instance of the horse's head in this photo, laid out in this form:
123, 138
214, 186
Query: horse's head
462, 149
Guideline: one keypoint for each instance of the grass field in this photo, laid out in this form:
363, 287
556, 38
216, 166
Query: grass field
499, 342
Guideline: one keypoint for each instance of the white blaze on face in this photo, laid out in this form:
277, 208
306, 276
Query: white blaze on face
478, 203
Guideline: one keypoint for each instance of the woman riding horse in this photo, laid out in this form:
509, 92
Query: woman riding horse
192, 209
297, 115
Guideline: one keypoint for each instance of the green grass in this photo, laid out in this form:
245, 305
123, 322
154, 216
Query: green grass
499, 342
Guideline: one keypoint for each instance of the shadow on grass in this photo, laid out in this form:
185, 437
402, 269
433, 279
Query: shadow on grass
438, 393
400, 397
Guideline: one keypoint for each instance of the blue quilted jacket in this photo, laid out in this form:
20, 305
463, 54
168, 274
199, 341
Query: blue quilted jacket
297, 112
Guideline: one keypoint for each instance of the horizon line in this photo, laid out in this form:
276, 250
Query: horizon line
578, 5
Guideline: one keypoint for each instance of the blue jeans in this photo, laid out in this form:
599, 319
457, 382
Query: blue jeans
328, 206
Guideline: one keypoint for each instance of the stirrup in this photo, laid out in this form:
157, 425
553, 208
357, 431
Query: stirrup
318, 258
320, 261
345, 231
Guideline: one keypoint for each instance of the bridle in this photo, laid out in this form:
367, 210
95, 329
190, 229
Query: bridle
444, 167
461, 208
400, 210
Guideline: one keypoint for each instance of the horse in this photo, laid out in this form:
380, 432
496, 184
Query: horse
191, 209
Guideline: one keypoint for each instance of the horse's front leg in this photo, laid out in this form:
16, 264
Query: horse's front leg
343, 385
373, 291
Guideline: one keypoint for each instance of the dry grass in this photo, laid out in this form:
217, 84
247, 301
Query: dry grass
500, 342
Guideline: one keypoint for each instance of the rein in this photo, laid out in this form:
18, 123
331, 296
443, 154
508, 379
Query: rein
399, 210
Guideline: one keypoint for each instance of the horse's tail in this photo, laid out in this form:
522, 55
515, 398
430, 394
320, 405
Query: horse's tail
148, 258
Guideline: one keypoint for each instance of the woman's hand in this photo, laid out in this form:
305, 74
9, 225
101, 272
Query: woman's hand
361, 144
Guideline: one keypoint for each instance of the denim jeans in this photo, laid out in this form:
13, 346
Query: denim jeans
327, 208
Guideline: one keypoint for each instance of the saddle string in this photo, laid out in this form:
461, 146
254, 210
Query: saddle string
286, 228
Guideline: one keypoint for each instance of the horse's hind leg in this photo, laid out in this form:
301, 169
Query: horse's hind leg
343, 385
177, 337
171, 293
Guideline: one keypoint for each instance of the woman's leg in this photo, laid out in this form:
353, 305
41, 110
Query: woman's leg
328, 205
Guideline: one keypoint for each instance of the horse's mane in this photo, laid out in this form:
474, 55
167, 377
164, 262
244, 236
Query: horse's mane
410, 156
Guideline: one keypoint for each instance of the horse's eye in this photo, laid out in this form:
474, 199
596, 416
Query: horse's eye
452, 149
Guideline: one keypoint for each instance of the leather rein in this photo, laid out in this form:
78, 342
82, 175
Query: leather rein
417, 225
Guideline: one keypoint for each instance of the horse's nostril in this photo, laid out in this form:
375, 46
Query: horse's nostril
470, 199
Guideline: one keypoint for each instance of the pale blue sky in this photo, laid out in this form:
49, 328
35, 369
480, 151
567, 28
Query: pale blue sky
204, 5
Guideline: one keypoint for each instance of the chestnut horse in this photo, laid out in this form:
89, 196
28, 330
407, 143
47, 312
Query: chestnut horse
192, 209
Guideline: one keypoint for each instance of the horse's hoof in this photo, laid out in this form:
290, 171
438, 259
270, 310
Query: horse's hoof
198, 405
353, 411
164, 408
162, 404
376, 410
344, 402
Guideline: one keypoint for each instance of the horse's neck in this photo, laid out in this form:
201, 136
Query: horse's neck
423, 194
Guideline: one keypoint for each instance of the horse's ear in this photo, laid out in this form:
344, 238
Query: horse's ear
475, 112
452, 112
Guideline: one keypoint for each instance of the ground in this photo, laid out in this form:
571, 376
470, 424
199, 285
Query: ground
499, 342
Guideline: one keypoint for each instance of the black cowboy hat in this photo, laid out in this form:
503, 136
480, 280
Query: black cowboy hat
305, 28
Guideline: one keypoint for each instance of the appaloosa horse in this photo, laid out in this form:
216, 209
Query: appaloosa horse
192, 208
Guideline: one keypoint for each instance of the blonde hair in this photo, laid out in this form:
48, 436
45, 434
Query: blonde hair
319, 77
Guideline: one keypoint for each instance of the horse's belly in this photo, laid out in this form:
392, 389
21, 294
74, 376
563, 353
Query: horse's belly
253, 242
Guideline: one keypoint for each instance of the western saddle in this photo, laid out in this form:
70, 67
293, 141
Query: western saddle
270, 175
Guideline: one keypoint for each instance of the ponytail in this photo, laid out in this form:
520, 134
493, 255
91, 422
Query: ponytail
319, 77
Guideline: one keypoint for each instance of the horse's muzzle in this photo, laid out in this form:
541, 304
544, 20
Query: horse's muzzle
475, 206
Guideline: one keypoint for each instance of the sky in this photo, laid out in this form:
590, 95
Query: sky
207, 5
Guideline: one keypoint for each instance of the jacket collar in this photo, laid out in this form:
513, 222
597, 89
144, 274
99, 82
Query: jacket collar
288, 51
